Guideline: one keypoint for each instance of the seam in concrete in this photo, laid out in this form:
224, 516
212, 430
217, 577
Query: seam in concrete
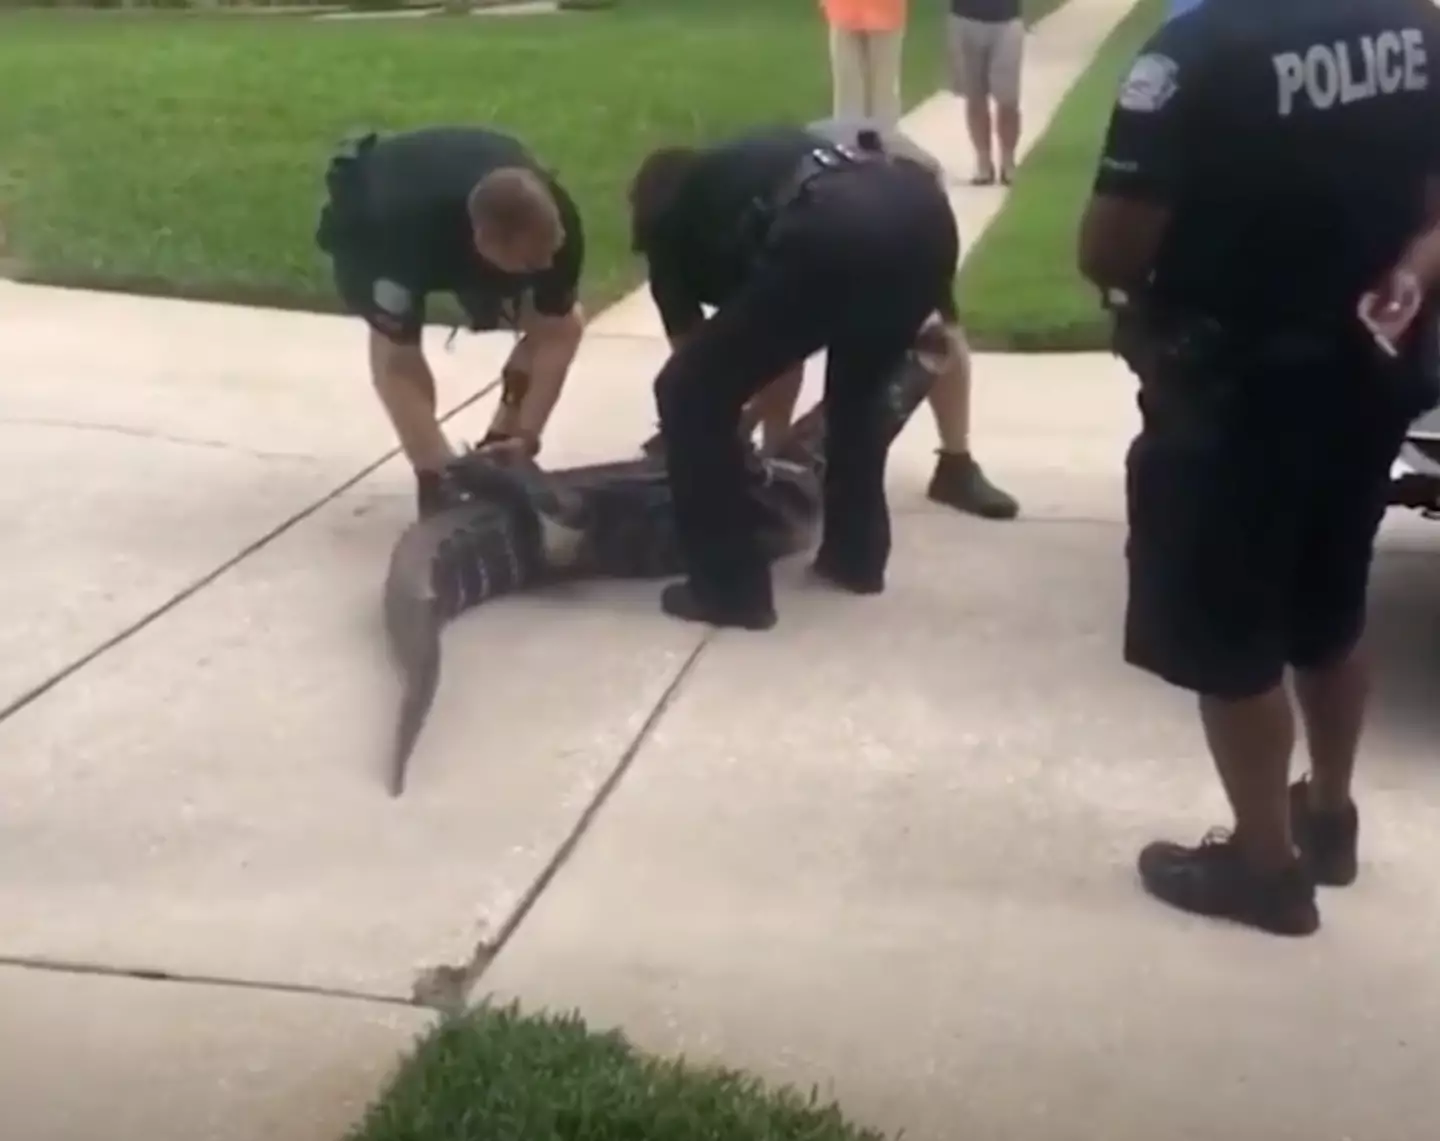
125, 633
148, 434
447, 988
147, 975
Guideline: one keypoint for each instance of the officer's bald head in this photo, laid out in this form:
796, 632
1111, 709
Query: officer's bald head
515, 220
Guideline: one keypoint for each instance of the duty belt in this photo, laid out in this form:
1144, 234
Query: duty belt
820, 161
346, 208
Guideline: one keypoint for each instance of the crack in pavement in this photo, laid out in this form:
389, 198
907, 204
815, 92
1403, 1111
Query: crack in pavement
149, 975
447, 988
149, 434
128, 631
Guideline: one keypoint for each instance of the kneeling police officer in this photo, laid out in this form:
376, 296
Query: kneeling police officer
799, 246
1265, 168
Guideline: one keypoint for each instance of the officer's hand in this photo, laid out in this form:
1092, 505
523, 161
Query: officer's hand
509, 449
1389, 309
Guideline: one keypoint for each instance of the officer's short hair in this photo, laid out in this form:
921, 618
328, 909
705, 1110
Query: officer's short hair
653, 189
513, 201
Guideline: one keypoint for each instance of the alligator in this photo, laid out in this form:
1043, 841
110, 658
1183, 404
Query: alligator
519, 527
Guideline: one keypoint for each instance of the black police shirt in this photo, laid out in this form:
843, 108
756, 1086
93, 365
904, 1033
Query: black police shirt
420, 235
1291, 139
701, 251
697, 250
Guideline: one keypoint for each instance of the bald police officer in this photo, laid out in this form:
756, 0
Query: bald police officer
471, 212
799, 246
1264, 168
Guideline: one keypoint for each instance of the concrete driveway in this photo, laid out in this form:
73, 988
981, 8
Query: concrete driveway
887, 846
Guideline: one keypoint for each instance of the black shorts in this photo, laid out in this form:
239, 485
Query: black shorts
1252, 532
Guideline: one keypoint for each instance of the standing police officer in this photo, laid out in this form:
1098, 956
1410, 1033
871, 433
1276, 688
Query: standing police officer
1265, 167
800, 246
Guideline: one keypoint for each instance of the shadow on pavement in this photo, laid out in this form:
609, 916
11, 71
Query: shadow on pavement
1405, 636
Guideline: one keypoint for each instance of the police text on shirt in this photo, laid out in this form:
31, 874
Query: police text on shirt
1343, 72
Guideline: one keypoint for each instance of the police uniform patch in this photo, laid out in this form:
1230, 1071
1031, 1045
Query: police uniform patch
1152, 81
393, 298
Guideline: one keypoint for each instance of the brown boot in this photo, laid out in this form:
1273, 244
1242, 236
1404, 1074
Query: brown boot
958, 482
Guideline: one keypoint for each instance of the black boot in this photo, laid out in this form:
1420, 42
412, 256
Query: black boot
1328, 841
679, 600
959, 482
1214, 879
834, 572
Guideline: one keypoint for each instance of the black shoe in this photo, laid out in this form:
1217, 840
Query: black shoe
1215, 880
1328, 841
678, 600
835, 573
958, 482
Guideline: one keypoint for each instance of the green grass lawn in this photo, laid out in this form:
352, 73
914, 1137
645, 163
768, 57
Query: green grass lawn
497, 1075
1019, 289
183, 153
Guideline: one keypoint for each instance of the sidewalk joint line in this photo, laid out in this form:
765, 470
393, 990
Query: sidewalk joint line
128, 631
448, 988
143, 974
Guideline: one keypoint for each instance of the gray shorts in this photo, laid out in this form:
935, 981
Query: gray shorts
985, 59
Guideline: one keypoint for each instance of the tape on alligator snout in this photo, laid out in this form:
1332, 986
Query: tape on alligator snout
560, 542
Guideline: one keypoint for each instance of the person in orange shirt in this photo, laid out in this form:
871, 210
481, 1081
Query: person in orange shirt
866, 39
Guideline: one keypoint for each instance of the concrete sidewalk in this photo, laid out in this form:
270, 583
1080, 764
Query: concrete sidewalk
1057, 50
857, 888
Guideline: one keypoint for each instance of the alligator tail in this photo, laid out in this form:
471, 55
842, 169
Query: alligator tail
440, 567
412, 625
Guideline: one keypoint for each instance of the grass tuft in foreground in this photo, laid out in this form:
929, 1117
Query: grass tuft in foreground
496, 1074
1019, 290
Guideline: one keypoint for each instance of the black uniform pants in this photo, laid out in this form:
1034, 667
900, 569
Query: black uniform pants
1253, 512
854, 267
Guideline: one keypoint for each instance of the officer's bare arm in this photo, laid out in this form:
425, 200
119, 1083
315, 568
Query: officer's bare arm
1119, 239
406, 388
551, 329
1141, 165
552, 340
